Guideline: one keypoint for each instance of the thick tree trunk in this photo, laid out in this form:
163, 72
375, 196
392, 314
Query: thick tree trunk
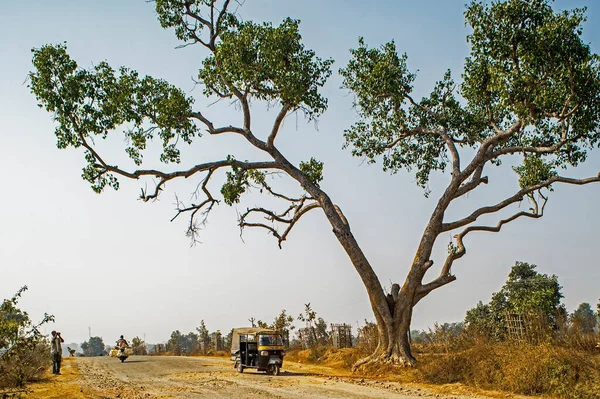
394, 339
392, 313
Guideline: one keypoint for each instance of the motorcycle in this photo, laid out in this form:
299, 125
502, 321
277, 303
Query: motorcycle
121, 353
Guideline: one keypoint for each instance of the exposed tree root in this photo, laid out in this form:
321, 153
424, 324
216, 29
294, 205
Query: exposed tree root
378, 359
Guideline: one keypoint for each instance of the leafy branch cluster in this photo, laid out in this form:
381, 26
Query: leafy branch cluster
248, 61
530, 86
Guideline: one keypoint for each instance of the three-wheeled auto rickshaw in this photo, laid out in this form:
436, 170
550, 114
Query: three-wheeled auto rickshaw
257, 348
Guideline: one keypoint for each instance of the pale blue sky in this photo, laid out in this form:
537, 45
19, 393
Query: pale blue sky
68, 244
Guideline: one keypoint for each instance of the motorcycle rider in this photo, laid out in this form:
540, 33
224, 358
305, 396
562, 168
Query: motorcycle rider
122, 343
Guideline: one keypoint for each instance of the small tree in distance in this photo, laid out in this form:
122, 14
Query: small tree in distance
584, 319
93, 347
526, 292
531, 89
138, 346
203, 335
284, 324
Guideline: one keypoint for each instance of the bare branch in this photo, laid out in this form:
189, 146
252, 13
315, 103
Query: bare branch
475, 181
204, 208
425, 289
535, 150
272, 217
212, 130
459, 250
192, 171
516, 198
451, 145
282, 113
216, 27
197, 17
481, 157
278, 195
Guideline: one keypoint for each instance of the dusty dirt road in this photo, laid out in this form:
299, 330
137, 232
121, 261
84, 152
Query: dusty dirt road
205, 377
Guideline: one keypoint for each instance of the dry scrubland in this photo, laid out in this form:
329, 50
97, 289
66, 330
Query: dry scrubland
545, 369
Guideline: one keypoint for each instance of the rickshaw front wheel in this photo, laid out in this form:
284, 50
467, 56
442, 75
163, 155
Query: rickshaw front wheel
274, 370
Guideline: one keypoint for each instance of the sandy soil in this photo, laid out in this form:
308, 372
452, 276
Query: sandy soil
205, 377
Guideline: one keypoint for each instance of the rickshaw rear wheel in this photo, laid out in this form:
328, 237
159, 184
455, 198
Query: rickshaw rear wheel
240, 368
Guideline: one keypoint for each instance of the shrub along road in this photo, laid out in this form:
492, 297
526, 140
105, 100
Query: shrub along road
207, 377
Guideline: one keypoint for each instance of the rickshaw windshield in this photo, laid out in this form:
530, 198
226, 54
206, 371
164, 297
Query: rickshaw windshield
247, 338
270, 340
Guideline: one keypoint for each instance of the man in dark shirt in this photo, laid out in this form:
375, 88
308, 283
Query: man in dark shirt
56, 349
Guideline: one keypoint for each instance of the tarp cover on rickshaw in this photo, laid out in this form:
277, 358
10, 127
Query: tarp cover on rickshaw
235, 338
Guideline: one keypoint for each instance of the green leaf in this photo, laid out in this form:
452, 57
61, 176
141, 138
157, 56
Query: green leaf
313, 169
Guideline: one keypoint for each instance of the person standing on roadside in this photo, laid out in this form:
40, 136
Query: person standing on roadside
56, 346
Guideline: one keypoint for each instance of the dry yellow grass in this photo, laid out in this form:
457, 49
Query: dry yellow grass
525, 369
483, 369
64, 386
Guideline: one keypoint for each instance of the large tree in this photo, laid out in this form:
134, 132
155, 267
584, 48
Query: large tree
530, 89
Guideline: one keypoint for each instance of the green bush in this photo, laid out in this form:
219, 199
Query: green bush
24, 350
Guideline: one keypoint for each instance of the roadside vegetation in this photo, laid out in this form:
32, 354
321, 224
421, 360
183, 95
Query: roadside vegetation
523, 341
24, 350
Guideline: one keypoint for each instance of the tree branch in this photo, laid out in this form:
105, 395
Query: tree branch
458, 251
212, 130
475, 181
192, 171
271, 216
282, 113
213, 27
480, 157
409, 133
534, 150
194, 225
516, 198
453, 154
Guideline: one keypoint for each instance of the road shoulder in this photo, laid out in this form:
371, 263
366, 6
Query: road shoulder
64, 386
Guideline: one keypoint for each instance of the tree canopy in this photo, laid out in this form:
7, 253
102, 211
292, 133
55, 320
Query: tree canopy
584, 319
525, 292
93, 347
528, 73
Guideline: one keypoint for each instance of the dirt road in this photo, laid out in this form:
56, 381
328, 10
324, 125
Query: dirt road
192, 377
